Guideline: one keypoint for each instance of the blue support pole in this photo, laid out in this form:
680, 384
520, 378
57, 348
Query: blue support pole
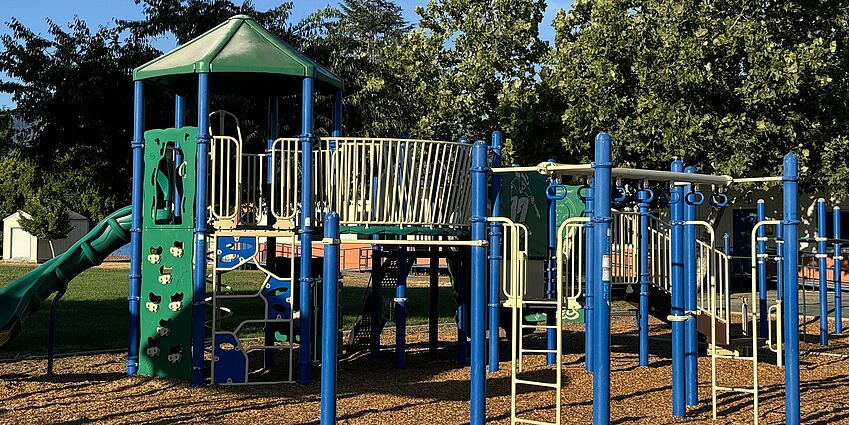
822, 258
601, 222
836, 276
462, 287
477, 400
329, 319
495, 232
179, 121
376, 300
791, 290
134, 297
306, 230
691, 335
644, 197
401, 310
679, 405
551, 270
201, 202
779, 261
591, 277
337, 114
760, 251
433, 302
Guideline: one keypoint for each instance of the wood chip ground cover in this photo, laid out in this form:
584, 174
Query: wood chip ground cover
432, 390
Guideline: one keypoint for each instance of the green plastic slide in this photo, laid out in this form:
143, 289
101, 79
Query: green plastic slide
22, 297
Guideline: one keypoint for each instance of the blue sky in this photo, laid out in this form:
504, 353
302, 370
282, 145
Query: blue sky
34, 14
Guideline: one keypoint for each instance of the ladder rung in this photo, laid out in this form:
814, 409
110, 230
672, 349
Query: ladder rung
736, 390
533, 422
540, 327
540, 302
538, 351
726, 356
538, 384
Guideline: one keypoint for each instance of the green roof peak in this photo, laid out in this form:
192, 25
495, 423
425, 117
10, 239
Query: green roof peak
245, 53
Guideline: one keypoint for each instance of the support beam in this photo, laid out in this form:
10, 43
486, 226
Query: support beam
433, 302
679, 405
644, 198
760, 251
306, 231
401, 310
791, 290
329, 319
495, 235
134, 297
201, 202
822, 262
691, 335
551, 270
591, 279
477, 400
601, 228
836, 275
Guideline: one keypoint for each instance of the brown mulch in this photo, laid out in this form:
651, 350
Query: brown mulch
432, 390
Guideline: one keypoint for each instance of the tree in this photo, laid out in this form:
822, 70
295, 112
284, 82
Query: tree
728, 86
73, 89
48, 215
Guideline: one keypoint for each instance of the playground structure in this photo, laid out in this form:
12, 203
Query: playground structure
407, 199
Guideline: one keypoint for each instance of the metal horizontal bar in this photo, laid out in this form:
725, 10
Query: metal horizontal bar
736, 390
413, 242
538, 384
757, 179
533, 422
540, 327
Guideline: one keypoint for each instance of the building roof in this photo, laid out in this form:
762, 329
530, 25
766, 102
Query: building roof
232, 49
71, 216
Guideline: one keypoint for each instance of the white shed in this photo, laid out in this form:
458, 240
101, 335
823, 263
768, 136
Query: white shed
20, 245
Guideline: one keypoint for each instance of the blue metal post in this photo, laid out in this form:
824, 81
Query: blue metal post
836, 276
779, 261
306, 280
495, 255
691, 335
679, 405
760, 251
433, 302
551, 270
376, 300
134, 297
602, 219
179, 121
337, 114
644, 196
822, 259
401, 310
329, 319
591, 278
478, 286
791, 290
462, 287
201, 202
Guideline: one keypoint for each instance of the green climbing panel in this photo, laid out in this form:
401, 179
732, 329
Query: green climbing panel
167, 251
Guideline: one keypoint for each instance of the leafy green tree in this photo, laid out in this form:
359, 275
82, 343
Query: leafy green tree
73, 89
726, 85
48, 215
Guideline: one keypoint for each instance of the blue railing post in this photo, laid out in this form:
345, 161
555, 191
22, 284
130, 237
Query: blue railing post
377, 273
591, 277
433, 302
478, 286
691, 335
822, 258
329, 319
601, 222
791, 290
551, 269
760, 251
306, 230
644, 197
679, 406
836, 276
201, 202
461, 285
495, 255
134, 297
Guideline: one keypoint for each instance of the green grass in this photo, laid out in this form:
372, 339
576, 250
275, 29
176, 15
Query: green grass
93, 313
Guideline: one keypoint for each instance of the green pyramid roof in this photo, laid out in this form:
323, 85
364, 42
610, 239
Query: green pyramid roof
237, 46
